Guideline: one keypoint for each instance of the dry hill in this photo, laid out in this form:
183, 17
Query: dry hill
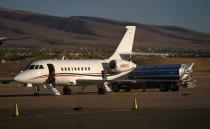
62, 32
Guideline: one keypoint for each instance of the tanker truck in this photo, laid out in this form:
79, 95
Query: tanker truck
165, 77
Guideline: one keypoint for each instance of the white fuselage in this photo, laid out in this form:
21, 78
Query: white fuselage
68, 71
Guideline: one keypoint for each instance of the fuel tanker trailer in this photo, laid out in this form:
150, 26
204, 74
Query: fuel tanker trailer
162, 71
163, 76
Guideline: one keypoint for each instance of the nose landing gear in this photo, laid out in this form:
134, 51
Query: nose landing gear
36, 90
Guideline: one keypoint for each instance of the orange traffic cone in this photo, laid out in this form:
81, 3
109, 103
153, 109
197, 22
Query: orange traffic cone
16, 111
135, 104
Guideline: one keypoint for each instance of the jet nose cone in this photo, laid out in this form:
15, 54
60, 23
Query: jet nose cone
18, 78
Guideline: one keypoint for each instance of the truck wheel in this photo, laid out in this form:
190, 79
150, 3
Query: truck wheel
115, 87
164, 88
174, 87
144, 90
127, 89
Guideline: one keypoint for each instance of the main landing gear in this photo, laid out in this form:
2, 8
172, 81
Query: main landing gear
101, 90
66, 90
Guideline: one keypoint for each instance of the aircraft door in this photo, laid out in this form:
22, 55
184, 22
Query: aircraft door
51, 76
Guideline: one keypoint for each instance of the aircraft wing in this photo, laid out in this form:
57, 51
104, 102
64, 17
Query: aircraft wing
5, 81
145, 54
3, 38
157, 80
13, 38
84, 81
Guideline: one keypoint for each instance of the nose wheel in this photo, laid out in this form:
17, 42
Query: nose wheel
36, 90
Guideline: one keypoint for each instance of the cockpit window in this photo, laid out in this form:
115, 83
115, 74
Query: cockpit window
31, 67
27, 66
37, 66
41, 67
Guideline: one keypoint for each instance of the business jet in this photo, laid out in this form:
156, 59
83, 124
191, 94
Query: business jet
51, 73
67, 73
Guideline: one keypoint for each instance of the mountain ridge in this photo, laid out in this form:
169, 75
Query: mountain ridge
63, 32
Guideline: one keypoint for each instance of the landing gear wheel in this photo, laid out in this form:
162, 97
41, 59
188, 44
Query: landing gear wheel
36, 94
101, 91
115, 87
66, 90
36, 90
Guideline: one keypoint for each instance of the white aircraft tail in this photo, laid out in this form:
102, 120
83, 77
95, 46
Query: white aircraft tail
126, 44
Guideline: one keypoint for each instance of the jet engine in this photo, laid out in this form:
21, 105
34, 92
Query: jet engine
121, 65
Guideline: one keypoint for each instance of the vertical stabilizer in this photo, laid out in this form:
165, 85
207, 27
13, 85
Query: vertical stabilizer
126, 43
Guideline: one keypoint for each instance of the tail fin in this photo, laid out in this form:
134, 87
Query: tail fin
126, 44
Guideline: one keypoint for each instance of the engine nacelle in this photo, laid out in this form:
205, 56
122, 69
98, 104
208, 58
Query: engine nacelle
121, 65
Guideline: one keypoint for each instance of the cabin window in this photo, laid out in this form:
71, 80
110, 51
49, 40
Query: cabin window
36, 67
75, 69
82, 68
41, 67
65, 68
68, 69
61, 68
32, 67
85, 68
72, 69
89, 68
78, 69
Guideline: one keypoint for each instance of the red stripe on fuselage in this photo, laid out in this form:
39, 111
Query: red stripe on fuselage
67, 75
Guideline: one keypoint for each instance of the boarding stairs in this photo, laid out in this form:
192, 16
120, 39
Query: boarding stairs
52, 90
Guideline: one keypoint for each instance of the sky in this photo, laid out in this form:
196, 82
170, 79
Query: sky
192, 14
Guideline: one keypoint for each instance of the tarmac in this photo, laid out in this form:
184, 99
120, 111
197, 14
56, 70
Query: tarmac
186, 109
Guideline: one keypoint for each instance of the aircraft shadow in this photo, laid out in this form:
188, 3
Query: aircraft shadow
73, 94
22, 95
45, 94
